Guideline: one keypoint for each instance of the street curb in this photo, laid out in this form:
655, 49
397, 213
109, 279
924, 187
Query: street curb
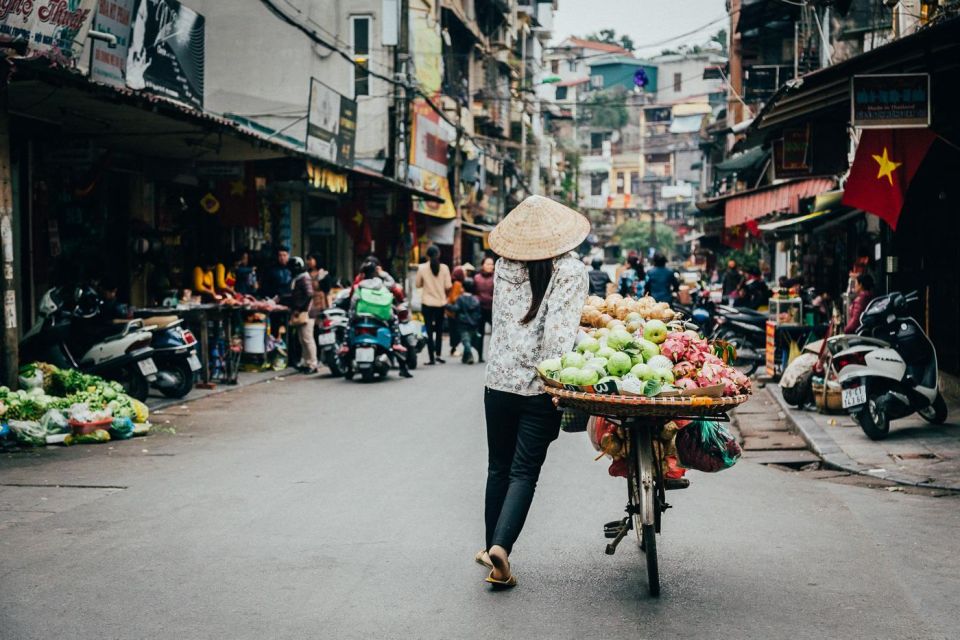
833, 456
166, 403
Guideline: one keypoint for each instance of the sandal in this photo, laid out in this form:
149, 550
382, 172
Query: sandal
479, 559
502, 584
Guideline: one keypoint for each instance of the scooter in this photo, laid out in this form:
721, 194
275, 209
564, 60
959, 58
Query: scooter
332, 327
368, 348
895, 375
64, 330
175, 353
411, 333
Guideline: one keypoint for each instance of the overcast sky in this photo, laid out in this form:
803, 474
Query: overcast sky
646, 21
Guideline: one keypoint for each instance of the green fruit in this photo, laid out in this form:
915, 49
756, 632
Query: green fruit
605, 352
570, 375
642, 371
636, 358
655, 331
619, 339
647, 349
588, 344
550, 368
619, 364
573, 359
664, 375
588, 377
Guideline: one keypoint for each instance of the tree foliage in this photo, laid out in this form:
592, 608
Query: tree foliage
635, 235
607, 109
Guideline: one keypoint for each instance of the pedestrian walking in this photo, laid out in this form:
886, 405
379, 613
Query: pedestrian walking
732, 279
468, 319
540, 289
458, 276
483, 283
661, 282
301, 299
631, 277
599, 279
433, 278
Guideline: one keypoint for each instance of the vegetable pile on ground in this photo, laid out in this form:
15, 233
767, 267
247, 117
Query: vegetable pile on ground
643, 355
64, 405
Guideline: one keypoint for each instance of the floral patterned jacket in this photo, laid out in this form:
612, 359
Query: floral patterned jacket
516, 349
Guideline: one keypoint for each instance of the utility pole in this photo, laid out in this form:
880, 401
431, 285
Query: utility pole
11, 357
455, 189
523, 100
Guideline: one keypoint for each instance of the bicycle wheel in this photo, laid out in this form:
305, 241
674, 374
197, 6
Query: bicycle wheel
650, 550
645, 500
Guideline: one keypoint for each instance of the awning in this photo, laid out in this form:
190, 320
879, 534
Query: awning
477, 230
752, 158
750, 205
828, 216
686, 124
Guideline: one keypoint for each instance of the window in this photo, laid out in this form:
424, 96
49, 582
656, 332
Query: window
361, 56
677, 82
597, 181
596, 141
554, 66
596, 81
572, 64
561, 93
634, 182
620, 182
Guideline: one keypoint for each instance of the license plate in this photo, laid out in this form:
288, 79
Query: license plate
407, 328
147, 367
365, 355
194, 362
325, 339
853, 397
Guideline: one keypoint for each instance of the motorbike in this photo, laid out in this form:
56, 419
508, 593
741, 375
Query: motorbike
332, 327
175, 353
411, 333
745, 330
368, 348
893, 375
68, 334
816, 358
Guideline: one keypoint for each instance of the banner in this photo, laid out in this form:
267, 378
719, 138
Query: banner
890, 100
331, 124
109, 66
426, 46
428, 161
166, 51
55, 29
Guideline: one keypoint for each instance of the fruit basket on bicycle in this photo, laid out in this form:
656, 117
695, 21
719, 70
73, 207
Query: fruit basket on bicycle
641, 420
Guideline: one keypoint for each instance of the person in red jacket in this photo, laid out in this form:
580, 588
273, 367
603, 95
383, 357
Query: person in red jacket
864, 294
483, 285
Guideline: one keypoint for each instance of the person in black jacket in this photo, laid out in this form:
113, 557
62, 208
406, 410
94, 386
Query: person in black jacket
469, 318
599, 279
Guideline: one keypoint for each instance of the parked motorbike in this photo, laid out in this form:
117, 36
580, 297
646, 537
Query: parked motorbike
745, 330
332, 327
893, 376
69, 334
816, 358
411, 333
175, 354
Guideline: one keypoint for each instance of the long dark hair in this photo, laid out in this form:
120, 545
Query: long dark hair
540, 272
434, 254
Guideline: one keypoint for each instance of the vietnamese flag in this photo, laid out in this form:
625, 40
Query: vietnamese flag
886, 161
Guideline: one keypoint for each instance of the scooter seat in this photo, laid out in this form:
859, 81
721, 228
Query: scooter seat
161, 322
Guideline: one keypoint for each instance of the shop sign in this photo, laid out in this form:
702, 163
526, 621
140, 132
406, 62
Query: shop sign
327, 179
54, 29
220, 170
429, 142
166, 51
331, 124
890, 100
791, 153
109, 64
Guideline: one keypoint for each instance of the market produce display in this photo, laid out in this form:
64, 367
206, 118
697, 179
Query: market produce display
639, 353
60, 401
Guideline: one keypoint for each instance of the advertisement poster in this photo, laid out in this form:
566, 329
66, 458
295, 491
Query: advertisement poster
331, 124
428, 159
426, 45
890, 100
166, 50
56, 29
109, 66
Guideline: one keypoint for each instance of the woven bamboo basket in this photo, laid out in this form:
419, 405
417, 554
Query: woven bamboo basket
642, 406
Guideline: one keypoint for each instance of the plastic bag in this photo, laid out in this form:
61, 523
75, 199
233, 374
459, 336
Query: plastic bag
94, 437
28, 432
31, 377
707, 446
54, 421
142, 413
121, 429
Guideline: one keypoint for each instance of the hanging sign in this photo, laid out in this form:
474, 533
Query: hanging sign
890, 100
331, 124
166, 51
55, 29
109, 64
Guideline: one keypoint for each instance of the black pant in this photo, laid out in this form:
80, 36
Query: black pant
453, 328
468, 337
487, 318
519, 431
433, 318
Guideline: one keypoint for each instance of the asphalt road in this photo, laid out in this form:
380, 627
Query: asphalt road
317, 508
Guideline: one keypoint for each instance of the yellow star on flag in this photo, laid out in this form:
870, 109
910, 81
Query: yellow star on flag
887, 166
358, 218
237, 188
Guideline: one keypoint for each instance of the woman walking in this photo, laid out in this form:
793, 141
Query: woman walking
484, 286
540, 287
458, 276
433, 278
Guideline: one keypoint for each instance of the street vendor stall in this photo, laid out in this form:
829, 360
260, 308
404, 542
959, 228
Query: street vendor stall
789, 327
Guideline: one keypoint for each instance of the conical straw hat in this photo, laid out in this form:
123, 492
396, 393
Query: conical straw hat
537, 229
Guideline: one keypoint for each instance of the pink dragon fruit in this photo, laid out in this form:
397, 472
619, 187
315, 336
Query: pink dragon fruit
683, 369
711, 358
729, 387
673, 348
685, 383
